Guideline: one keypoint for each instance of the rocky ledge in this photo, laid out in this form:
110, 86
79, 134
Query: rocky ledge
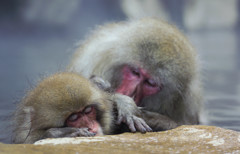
184, 139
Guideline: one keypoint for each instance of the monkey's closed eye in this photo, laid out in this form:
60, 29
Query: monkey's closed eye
135, 71
88, 109
151, 83
73, 117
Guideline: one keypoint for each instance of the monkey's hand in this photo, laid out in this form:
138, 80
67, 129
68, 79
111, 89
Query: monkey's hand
100, 83
158, 122
67, 132
129, 114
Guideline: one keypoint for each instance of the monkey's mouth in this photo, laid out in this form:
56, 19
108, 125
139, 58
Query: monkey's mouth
133, 97
136, 97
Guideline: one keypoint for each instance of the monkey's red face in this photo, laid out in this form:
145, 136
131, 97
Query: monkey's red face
86, 118
137, 83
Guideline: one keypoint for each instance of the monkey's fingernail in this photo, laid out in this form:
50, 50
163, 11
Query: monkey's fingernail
149, 129
119, 121
143, 131
133, 130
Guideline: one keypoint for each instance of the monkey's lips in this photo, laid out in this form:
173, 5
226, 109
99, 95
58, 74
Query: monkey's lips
134, 95
137, 98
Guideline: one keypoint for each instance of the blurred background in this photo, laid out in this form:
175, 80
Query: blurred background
37, 39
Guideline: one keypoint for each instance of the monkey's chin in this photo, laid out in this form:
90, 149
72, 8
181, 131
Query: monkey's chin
99, 132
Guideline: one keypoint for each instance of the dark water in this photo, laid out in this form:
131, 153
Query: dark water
220, 54
31, 50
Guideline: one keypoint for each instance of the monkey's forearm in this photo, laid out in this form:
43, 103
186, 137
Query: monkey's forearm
67, 132
158, 122
127, 111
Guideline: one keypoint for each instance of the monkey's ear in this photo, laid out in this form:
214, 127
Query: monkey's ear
28, 116
23, 124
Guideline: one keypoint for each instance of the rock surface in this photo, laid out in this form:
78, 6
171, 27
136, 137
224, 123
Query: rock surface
184, 139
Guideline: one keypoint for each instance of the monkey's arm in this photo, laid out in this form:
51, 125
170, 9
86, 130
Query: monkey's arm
127, 110
158, 122
24, 134
67, 132
129, 114
40, 134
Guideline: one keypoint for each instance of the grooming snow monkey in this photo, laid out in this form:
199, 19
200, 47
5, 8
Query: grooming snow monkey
149, 61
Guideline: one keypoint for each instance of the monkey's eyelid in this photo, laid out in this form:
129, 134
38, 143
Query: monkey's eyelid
88, 109
151, 82
135, 71
73, 117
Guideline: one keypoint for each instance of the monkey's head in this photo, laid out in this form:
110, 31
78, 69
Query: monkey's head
147, 59
67, 100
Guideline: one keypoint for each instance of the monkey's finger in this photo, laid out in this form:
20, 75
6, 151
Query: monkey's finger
131, 125
141, 125
80, 134
149, 129
84, 132
145, 125
89, 134
120, 120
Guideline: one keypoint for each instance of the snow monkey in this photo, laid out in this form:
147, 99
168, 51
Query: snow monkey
151, 62
68, 105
